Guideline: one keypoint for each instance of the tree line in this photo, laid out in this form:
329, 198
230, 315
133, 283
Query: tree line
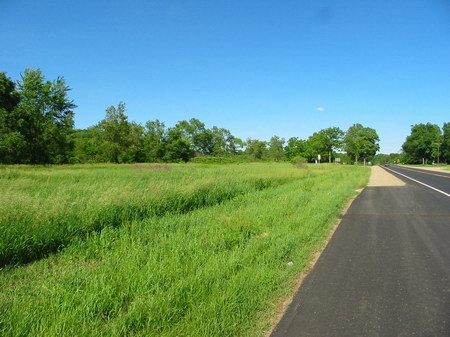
37, 127
427, 143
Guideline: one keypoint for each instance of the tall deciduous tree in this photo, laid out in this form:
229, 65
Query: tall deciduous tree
276, 149
199, 137
121, 140
155, 134
12, 143
445, 148
325, 142
422, 143
256, 148
295, 148
40, 124
361, 142
332, 139
224, 143
177, 147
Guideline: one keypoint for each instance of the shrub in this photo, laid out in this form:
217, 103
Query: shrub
299, 161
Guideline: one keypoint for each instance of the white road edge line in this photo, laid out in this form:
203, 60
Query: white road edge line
419, 182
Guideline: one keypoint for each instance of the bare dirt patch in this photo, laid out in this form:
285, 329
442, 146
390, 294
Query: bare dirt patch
380, 177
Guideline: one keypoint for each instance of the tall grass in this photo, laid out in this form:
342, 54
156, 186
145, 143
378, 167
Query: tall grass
42, 210
215, 271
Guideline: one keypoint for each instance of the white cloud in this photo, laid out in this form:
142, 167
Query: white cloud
320, 109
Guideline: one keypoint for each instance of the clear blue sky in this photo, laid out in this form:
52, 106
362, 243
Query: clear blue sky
258, 68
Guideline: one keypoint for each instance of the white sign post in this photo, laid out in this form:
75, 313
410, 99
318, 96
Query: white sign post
318, 158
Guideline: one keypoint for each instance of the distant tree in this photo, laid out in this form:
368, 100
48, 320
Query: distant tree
199, 137
331, 139
381, 158
445, 147
40, 124
155, 134
177, 147
295, 148
256, 148
325, 142
275, 149
121, 140
361, 142
224, 143
87, 146
421, 144
12, 142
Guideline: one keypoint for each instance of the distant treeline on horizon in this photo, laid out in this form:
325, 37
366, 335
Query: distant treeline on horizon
37, 127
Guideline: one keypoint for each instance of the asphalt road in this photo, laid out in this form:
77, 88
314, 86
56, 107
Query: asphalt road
386, 270
440, 180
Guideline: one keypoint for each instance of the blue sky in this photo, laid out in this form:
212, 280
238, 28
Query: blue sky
258, 68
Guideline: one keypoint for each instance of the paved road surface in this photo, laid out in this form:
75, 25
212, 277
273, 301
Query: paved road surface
440, 180
386, 271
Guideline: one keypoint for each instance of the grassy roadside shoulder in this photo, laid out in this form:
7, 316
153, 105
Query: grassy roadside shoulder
443, 167
217, 271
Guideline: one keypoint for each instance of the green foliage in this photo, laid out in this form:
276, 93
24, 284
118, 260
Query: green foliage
299, 161
155, 134
393, 158
324, 142
36, 126
256, 148
120, 140
275, 149
422, 144
219, 270
445, 147
361, 142
295, 147
36, 120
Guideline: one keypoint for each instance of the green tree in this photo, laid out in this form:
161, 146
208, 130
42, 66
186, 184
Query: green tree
421, 144
361, 142
177, 147
12, 143
256, 148
155, 134
40, 125
445, 147
275, 149
224, 143
199, 137
295, 148
120, 140
331, 140
88, 146
324, 142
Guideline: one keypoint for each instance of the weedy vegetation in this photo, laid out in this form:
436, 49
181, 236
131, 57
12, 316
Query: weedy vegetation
160, 250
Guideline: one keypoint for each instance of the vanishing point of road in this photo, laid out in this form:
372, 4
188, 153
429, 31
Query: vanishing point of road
386, 270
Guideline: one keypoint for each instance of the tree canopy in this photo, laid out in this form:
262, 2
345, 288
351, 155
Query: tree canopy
423, 143
361, 142
36, 119
37, 127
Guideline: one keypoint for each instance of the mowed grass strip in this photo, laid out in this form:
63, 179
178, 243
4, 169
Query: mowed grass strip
44, 209
217, 271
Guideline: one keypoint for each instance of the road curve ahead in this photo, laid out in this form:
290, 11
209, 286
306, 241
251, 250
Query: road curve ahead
386, 270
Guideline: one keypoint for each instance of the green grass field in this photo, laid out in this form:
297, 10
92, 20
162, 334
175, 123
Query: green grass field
160, 250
